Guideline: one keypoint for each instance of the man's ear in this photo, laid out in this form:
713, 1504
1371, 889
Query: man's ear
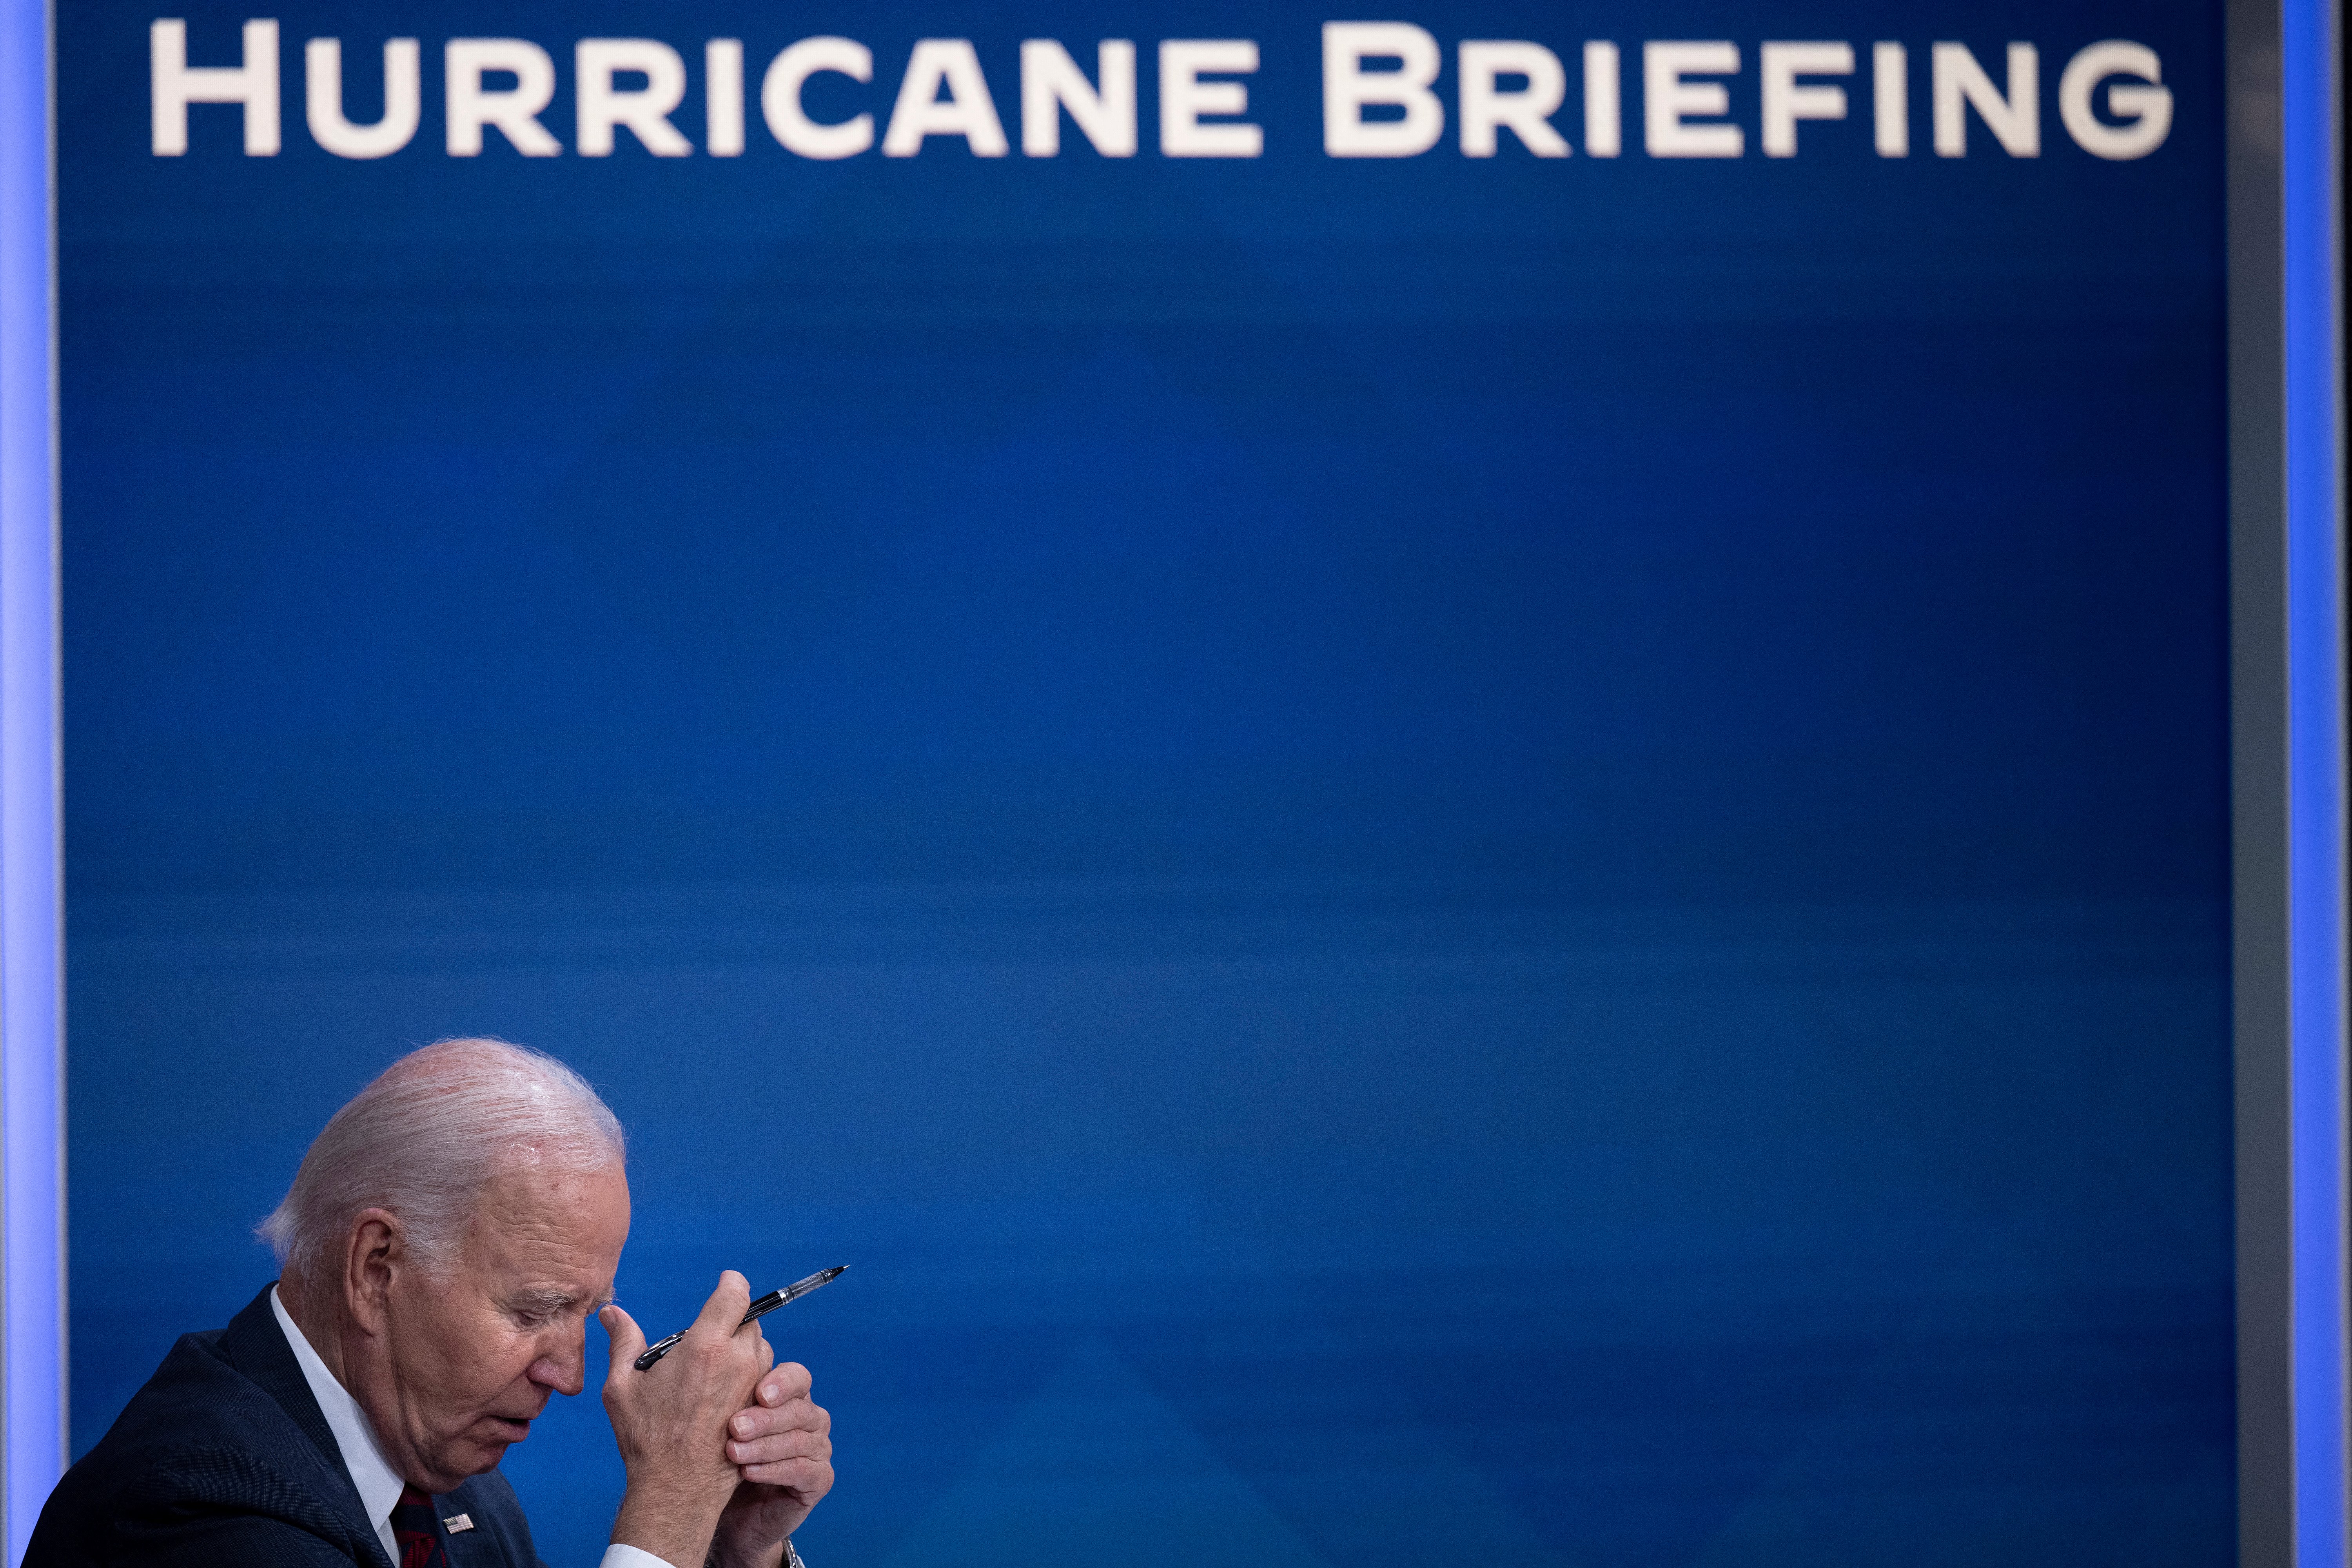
374, 1257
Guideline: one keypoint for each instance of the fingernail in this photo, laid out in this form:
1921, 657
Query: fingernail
773, 1395
742, 1426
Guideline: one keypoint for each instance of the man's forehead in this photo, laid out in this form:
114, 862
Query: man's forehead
568, 1226
520, 1271
523, 1181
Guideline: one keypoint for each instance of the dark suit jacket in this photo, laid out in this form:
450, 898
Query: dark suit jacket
224, 1461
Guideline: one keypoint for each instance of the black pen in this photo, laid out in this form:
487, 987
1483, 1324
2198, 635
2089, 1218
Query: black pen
759, 1309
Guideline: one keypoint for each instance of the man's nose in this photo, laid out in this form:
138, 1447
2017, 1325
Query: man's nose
562, 1364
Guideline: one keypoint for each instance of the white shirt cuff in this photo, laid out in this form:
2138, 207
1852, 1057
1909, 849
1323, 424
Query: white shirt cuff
619, 1556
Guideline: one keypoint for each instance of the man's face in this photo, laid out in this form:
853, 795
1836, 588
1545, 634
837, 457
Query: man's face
471, 1360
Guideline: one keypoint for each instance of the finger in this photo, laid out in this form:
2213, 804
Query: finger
723, 1313
810, 1478
760, 1421
790, 1380
794, 1414
782, 1446
628, 1339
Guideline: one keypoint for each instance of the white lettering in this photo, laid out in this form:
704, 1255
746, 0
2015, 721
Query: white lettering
172, 85
1381, 97
322, 99
1959, 82
722, 98
1604, 131
1184, 98
1890, 100
2148, 111
601, 106
1785, 103
1666, 99
967, 111
1526, 112
1051, 82
1348, 89
780, 97
514, 110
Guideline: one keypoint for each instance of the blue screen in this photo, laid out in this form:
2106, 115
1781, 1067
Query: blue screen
1490, 859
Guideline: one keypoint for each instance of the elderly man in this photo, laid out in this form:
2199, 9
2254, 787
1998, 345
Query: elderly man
441, 1251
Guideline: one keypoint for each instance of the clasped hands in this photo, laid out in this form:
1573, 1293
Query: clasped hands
726, 1452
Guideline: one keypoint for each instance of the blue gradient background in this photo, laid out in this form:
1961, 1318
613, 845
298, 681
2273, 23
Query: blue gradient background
1498, 862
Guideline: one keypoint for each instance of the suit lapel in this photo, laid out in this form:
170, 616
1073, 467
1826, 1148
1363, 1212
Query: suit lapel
478, 1547
469, 1548
256, 1347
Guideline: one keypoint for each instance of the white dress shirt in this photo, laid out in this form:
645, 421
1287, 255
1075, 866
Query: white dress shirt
379, 1484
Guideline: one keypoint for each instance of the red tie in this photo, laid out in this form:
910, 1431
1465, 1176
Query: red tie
417, 1531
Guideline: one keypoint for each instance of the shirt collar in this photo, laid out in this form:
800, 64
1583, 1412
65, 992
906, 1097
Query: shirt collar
378, 1483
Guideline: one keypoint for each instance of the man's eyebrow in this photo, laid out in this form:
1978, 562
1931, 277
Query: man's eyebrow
552, 1299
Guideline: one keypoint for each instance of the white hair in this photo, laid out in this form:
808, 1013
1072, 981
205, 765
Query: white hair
425, 1137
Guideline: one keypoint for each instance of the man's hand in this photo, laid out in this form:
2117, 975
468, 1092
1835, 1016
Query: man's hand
782, 1447
671, 1423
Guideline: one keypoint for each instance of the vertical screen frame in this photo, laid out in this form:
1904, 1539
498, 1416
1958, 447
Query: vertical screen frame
33, 1404
2288, 770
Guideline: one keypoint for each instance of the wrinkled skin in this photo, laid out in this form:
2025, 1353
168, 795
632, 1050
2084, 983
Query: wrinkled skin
451, 1368
776, 1457
452, 1371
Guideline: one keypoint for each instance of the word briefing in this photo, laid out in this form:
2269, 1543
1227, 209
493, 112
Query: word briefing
1381, 98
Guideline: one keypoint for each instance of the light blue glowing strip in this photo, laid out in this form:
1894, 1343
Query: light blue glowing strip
2316, 766
32, 1057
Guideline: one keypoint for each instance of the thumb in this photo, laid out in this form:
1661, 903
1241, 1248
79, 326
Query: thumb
724, 1312
628, 1339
